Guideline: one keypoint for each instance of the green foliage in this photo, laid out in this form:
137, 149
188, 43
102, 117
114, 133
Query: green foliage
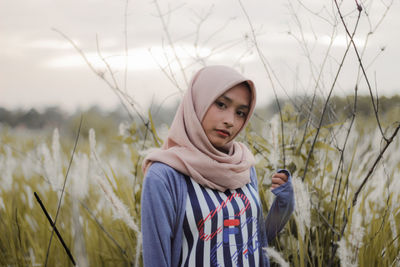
100, 213
324, 195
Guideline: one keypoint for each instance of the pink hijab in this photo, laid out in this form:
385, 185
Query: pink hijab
187, 148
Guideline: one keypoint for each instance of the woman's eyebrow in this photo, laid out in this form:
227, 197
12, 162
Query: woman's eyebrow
227, 98
230, 101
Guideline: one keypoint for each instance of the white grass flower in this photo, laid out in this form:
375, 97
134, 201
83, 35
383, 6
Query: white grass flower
29, 194
345, 254
79, 240
393, 227
92, 141
273, 137
120, 211
56, 155
302, 212
119, 171
123, 128
8, 167
350, 244
33, 258
276, 257
79, 176
126, 151
55, 146
51, 169
394, 186
29, 166
31, 222
356, 234
2, 206
96, 165
23, 198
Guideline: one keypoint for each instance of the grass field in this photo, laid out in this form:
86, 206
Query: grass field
99, 214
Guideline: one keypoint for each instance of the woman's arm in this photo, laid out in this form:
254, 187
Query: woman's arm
281, 208
158, 220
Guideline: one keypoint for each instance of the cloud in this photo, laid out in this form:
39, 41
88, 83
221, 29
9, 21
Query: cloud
51, 44
340, 41
142, 58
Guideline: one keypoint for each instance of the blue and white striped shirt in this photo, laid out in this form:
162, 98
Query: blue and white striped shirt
169, 231
221, 228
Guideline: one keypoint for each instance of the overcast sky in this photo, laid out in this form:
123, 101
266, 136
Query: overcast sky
39, 67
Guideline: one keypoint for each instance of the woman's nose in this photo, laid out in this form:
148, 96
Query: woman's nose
229, 119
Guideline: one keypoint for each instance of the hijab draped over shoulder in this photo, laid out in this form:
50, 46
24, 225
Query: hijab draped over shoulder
187, 148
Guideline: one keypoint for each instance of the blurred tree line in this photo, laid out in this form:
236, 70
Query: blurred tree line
104, 122
340, 108
107, 122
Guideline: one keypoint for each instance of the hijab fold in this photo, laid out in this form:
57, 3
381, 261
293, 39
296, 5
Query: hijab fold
187, 148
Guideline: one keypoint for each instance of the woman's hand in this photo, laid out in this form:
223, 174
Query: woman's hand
278, 179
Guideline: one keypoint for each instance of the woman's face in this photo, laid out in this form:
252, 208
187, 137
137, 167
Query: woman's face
226, 116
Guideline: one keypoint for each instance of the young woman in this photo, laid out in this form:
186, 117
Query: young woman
200, 202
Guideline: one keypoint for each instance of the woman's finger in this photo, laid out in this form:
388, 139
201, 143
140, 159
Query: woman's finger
282, 176
278, 181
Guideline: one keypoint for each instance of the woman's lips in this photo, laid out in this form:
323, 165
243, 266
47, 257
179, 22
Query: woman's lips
223, 133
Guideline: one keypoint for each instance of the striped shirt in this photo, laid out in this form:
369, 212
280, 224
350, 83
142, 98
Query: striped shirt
221, 228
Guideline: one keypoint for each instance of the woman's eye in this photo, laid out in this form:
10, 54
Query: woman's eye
241, 114
220, 104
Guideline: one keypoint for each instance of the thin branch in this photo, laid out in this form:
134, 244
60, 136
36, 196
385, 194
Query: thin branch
63, 189
361, 64
170, 42
326, 221
365, 180
115, 85
67, 194
368, 176
170, 76
53, 226
326, 103
123, 96
267, 69
316, 13
202, 19
100, 74
342, 150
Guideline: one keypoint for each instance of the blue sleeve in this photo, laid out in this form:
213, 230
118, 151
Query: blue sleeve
281, 208
159, 217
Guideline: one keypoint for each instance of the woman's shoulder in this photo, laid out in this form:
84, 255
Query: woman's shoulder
160, 168
164, 180
160, 172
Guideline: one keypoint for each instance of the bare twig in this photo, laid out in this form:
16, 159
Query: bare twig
63, 189
171, 77
202, 19
342, 151
170, 42
316, 13
53, 226
47, 180
326, 221
368, 176
326, 103
100, 74
267, 70
365, 180
318, 79
361, 63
